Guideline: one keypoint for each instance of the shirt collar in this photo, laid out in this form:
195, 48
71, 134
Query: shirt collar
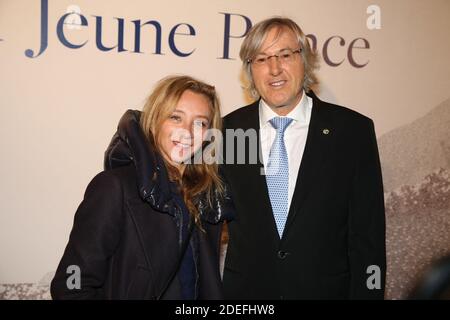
299, 113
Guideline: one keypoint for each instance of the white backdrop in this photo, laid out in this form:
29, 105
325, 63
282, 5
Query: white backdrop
60, 109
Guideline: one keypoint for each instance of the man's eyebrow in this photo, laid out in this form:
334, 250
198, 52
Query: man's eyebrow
287, 48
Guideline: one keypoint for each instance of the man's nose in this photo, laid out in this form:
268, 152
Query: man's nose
274, 66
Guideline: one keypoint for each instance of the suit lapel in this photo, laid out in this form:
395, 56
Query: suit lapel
255, 172
151, 227
265, 206
320, 135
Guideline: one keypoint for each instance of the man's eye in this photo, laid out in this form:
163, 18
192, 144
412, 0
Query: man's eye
286, 55
260, 59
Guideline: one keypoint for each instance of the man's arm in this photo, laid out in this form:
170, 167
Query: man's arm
367, 250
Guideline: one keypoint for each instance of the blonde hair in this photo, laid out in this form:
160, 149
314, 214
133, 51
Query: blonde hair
252, 43
198, 179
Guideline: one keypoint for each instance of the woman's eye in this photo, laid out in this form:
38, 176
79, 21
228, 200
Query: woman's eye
175, 118
200, 124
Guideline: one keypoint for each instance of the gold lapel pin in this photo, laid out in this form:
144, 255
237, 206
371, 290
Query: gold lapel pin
325, 131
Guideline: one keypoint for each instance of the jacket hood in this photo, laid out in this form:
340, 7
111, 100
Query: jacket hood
130, 146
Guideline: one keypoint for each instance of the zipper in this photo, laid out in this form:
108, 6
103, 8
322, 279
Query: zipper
180, 229
193, 243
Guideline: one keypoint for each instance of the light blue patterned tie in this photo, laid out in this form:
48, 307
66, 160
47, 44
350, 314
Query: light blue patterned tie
277, 174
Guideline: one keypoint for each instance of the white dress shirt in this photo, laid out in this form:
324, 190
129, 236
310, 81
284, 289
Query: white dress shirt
294, 136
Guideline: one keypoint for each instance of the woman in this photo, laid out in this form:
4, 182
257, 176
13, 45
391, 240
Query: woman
148, 227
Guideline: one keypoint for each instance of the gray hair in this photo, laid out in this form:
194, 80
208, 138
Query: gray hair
253, 41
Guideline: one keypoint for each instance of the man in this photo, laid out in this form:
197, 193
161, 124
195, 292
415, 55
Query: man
310, 218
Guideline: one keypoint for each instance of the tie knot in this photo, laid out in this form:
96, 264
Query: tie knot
280, 123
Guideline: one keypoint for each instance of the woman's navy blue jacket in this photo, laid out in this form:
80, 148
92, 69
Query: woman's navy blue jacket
127, 232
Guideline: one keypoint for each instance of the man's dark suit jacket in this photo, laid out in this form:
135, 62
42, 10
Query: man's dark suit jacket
336, 225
